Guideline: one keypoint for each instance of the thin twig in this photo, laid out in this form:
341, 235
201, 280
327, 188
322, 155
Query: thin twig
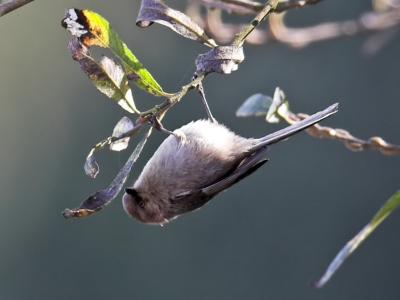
244, 33
224, 32
385, 16
253, 7
9, 6
301, 37
157, 112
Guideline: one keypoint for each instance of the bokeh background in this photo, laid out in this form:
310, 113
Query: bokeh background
269, 237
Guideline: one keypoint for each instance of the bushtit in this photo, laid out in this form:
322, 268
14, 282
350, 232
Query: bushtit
185, 173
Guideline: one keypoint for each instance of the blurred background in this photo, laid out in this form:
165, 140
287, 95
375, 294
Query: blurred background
269, 237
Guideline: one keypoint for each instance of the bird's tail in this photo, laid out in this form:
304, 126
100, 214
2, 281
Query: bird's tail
284, 133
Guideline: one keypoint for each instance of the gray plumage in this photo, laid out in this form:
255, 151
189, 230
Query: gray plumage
185, 173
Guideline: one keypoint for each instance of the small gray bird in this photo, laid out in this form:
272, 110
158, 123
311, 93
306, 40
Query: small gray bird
200, 160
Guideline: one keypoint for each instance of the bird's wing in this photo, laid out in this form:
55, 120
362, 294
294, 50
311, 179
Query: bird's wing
194, 199
248, 165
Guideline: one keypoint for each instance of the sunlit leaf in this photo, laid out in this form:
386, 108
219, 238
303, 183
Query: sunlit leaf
107, 76
353, 244
123, 125
222, 59
93, 30
274, 109
101, 198
157, 11
254, 106
278, 108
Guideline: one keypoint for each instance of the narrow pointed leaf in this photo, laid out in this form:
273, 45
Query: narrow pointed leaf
123, 125
222, 59
107, 76
254, 106
93, 30
100, 199
354, 243
157, 11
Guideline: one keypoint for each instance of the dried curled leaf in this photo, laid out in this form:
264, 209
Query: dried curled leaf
123, 125
93, 30
157, 11
122, 131
107, 76
100, 199
91, 166
222, 59
390, 205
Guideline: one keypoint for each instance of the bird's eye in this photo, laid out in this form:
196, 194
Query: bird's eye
141, 204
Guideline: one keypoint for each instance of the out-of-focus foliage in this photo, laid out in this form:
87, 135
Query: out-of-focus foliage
391, 205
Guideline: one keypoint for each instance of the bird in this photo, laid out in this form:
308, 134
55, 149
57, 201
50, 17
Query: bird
197, 162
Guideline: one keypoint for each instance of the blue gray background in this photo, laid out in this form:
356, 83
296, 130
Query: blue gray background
269, 237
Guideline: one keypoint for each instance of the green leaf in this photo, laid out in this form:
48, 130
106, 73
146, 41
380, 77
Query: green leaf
256, 105
102, 198
107, 76
93, 30
355, 242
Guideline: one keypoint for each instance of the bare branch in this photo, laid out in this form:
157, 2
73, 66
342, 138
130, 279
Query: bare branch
157, 112
383, 18
351, 142
301, 37
11, 5
241, 7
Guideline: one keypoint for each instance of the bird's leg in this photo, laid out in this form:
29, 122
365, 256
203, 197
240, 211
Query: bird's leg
200, 89
159, 126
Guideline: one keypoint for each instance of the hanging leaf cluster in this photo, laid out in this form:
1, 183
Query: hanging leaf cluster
90, 29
